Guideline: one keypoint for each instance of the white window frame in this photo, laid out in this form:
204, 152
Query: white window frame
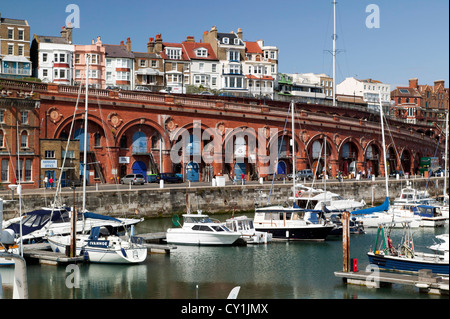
174, 53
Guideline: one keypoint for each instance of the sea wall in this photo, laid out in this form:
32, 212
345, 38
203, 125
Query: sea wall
157, 202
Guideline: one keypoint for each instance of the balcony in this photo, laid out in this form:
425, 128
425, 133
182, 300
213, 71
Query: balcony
16, 71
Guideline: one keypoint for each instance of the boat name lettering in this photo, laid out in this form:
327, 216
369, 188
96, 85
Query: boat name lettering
98, 243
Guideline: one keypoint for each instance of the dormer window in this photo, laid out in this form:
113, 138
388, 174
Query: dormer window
173, 53
202, 52
226, 40
236, 41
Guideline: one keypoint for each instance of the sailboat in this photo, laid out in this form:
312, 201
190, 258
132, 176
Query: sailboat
292, 223
101, 245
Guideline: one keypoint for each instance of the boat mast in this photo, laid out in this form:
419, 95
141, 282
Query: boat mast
324, 174
85, 133
334, 53
293, 150
446, 158
384, 144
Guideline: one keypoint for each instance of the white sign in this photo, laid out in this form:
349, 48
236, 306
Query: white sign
49, 163
124, 160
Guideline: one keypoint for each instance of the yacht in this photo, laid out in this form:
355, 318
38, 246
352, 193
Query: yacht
199, 229
292, 223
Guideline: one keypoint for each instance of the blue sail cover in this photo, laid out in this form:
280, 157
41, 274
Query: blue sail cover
98, 216
382, 208
41, 218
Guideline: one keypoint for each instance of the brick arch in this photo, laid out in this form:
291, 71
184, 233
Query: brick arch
319, 137
79, 117
288, 133
147, 122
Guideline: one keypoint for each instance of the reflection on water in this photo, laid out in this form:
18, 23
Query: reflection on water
303, 270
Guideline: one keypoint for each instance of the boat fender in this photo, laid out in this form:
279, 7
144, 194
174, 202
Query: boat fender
123, 252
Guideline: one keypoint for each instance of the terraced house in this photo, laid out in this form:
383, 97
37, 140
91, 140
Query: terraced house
14, 47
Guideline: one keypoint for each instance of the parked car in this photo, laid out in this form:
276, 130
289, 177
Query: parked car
438, 172
304, 173
205, 93
133, 179
142, 88
171, 178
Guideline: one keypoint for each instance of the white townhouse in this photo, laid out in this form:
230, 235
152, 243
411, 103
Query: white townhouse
369, 90
52, 57
260, 68
119, 66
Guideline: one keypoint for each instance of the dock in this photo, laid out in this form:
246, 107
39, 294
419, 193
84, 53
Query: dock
424, 280
43, 253
155, 243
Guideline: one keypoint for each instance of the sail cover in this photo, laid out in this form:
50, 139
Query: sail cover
382, 208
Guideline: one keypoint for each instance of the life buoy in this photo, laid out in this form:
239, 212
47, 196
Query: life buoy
299, 194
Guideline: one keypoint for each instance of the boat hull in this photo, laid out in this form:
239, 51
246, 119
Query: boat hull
312, 233
200, 238
408, 264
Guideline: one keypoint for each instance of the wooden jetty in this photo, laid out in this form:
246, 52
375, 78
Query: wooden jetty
43, 253
425, 280
154, 243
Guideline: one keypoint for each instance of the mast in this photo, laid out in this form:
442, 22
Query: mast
293, 150
325, 168
19, 188
85, 133
446, 158
384, 144
334, 53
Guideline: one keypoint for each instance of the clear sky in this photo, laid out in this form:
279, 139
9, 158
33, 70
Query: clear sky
412, 39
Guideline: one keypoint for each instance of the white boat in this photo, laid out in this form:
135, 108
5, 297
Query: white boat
286, 223
101, 246
245, 226
409, 195
404, 257
199, 229
37, 224
442, 245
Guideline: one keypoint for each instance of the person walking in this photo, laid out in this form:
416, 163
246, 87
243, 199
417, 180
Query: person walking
46, 182
51, 182
243, 178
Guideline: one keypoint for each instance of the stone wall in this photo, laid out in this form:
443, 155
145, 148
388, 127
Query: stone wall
168, 201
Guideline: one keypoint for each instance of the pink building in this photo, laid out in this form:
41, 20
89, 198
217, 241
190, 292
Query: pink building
96, 66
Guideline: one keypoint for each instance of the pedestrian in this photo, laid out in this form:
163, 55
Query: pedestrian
50, 181
46, 182
243, 178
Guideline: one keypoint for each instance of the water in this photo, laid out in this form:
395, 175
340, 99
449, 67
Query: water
279, 270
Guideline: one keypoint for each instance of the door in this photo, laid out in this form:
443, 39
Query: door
239, 169
281, 169
140, 168
192, 169
50, 174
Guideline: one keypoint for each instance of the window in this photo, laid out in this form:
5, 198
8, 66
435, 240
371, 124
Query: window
24, 139
174, 66
123, 76
44, 57
97, 140
10, 49
272, 55
236, 41
28, 164
77, 74
201, 79
214, 67
62, 58
235, 69
5, 170
108, 62
21, 50
142, 63
154, 63
24, 117
95, 59
49, 154
108, 76
202, 52
225, 40
174, 54
21, 35
201, 67
77, 58
93, 74
10, 33
214, 81
233, 55
1, 139
70, 154
2, 116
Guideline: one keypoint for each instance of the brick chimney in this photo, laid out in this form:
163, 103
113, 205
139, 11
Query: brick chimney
158, 43
190, 38
151, 45
128, 44
66, 33
239, 33
413, 83
439, 82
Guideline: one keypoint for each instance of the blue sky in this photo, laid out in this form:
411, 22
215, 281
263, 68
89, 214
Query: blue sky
412, 40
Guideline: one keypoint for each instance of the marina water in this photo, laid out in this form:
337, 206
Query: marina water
278, 270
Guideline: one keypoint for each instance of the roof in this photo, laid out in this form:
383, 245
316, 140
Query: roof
117, 51
184, 57
146, 55
51, 39
231, 36
253, 47
13, 21
405, 92
191, 47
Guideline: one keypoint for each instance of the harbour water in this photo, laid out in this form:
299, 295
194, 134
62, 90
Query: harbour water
278, 270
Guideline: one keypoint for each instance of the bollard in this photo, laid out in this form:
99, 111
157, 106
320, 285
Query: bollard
161, 183
261, 180
346, 242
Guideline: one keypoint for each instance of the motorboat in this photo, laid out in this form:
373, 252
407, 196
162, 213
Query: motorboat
199, 229
410, 195
404, 257
430, 216
290, 223
355, 226
41, 222
245, 226
102, 245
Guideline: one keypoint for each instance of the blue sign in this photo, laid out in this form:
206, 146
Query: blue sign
98, 243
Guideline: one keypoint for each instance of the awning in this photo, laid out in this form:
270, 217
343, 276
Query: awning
13, 58
148, 71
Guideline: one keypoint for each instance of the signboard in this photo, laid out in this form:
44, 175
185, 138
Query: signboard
98, 243
49, 164
124, 160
